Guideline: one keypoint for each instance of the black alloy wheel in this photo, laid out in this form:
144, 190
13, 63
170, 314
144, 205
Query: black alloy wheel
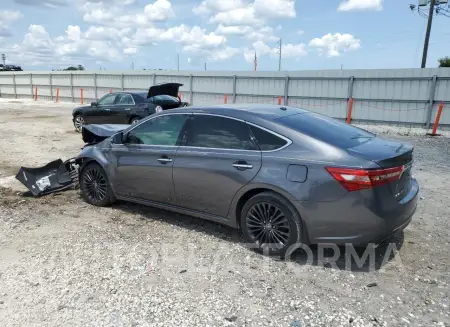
95, 186
268, 225
271, 224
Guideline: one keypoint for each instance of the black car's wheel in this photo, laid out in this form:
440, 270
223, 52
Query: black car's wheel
95, 187
271, 224
134, 120
78, 122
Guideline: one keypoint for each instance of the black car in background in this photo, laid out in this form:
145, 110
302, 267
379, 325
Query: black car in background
10, 68
128, 107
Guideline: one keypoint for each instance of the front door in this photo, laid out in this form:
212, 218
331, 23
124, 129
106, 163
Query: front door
101, 113
144, 162
217, 158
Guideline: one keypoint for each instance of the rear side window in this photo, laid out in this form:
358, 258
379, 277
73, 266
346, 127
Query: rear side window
218, 132
267, 141
326, 129
124, 99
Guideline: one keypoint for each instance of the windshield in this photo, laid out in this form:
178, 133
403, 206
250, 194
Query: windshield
327, 129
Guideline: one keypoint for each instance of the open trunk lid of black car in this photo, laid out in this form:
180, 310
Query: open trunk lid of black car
389, 154
165, 88
94, 133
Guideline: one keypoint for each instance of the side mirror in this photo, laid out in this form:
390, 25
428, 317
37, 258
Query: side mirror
93, 104
118, 138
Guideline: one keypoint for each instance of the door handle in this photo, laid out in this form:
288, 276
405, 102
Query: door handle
242, 165
164, 160
107, 109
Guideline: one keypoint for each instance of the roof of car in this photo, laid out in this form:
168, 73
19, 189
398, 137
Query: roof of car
242, 110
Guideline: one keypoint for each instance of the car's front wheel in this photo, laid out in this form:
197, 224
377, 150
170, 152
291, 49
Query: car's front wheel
78, 122
270, 224
134, 120
94, 185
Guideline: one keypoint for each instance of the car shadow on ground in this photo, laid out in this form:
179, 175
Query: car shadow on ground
349, 258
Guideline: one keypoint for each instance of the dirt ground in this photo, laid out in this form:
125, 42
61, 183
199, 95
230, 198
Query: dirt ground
66, 263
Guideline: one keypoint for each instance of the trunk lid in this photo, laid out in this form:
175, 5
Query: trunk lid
389, 154
165, 88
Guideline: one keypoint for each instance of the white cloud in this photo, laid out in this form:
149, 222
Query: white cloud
207, 7
75, 47
353, 5
7, 17
239, 16
275, 8
240, 12
300, 32
289, 50
113, 14
334, 45
44, 3
248, 32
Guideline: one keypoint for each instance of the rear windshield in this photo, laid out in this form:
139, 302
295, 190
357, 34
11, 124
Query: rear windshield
164, 97
327, 129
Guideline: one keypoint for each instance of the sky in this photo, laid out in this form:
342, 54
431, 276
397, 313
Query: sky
224, 34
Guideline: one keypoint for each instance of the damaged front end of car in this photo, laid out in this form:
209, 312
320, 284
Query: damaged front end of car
59, 175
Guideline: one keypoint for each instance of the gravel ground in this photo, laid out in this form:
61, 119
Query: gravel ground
65, 263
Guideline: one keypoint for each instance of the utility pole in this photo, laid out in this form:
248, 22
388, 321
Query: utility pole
178, 61
132, 65
205, 66
280, 43
427, 35
4, 59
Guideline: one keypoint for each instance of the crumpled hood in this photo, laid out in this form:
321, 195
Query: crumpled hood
165, 88
94, 133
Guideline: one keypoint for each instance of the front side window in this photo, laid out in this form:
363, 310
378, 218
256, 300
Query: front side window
162, 130
218, 132
107, 100
124, 99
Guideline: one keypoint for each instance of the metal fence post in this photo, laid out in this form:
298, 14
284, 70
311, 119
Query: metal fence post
234, 88
191, 89
431, 101
95, 87
71, 87
286, 91
51, 85
122, 83
350, 87
31, 84
14, 85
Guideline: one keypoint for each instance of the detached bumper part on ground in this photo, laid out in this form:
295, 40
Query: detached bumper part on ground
54, 177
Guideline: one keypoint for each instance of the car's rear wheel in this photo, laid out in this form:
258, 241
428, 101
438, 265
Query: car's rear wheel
78, 122
95, 187
134, 120
271, 224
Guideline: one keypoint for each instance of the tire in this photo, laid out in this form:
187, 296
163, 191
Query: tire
134, 120
272, 215
78, 122
95, 187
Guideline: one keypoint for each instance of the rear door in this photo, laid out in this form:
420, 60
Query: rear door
101, 114
217, 158
122, 109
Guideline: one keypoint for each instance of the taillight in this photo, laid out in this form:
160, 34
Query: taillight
359, 179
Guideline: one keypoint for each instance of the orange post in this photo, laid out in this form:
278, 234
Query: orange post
349, 112
179, 95
279, 100
438, 117
57, 94
35, 93
225, 99
110, 90
81, 96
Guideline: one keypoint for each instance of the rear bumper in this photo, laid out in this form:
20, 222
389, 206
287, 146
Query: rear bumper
358, 219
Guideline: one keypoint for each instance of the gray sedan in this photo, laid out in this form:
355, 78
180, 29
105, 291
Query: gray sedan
282, 175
